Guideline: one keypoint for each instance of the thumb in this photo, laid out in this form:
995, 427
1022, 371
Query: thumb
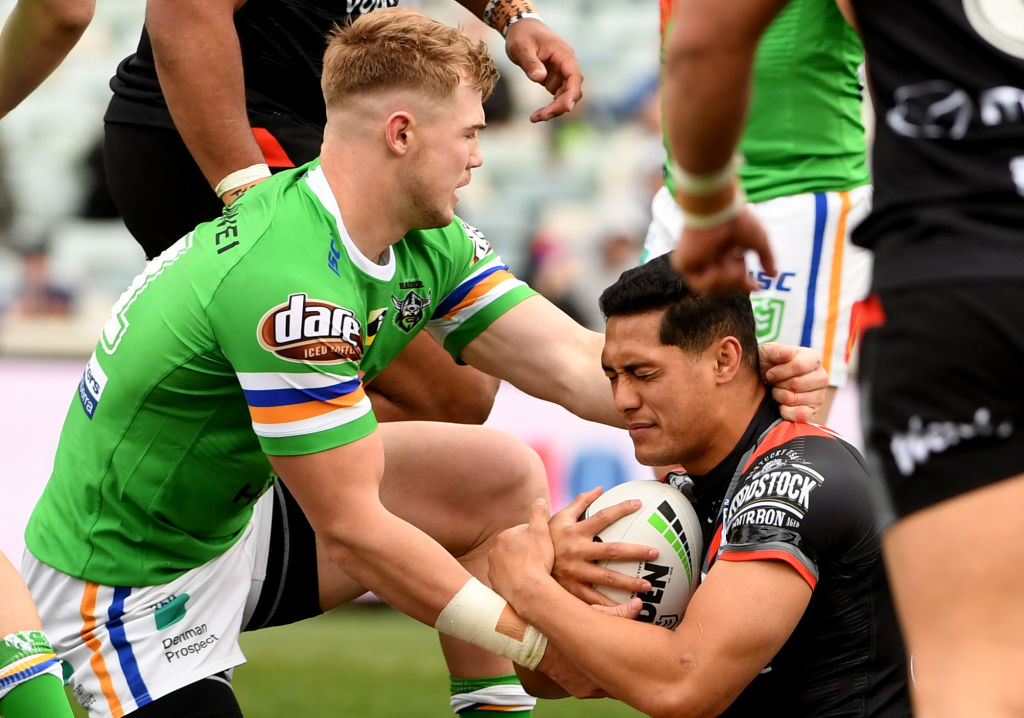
539, 515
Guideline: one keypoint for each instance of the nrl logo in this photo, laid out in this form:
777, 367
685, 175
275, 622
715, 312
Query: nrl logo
767, 318
311, 330
410, 310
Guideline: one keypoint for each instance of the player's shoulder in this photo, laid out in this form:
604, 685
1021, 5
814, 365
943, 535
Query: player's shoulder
455, 241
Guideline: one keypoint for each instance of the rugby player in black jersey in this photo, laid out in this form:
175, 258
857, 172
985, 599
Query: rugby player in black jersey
794, 615
942, 356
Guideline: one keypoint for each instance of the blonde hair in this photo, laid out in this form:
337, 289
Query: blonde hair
397, 48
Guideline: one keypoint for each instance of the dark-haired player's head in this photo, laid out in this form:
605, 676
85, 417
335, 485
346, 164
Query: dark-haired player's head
683, 367
690, 321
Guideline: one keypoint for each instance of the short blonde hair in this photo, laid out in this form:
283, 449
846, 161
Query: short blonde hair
397, 48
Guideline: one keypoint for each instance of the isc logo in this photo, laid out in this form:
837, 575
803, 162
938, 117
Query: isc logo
779, 284
311, 330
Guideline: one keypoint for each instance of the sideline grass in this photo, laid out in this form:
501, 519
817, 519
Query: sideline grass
362, 661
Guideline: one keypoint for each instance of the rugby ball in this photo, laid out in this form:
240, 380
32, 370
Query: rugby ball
666, 521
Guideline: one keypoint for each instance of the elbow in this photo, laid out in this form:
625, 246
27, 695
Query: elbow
680, 700
71, 17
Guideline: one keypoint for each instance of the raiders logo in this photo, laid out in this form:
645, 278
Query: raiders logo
410, 310
311, 330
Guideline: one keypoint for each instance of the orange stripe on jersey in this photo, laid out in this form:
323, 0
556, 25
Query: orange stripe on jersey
485, 285
305, 410
273, 153
772, 554
786, 431
99, 666
835, 281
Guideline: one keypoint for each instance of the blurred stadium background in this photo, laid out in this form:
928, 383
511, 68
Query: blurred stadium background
565, 202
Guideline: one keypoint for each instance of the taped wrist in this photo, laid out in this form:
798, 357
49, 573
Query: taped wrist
503, 14
478, 615
23, 656
243, 176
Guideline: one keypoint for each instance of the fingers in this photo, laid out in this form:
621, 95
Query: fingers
600, 520
628, 609
539, 515
595, 575
798, 406
548, 60
572, 513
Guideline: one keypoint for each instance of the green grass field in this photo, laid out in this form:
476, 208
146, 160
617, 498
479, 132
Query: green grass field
362, 660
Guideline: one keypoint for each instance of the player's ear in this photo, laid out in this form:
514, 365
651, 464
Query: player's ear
728, 359
397, 130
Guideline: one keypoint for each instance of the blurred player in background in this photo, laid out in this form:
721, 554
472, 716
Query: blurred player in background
794, 615
805, 176
942, 415
220, 93
241, 354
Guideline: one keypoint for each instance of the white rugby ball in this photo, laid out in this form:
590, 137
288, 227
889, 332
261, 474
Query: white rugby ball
666, 521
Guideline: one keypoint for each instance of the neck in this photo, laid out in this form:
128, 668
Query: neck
735, 409
364, 200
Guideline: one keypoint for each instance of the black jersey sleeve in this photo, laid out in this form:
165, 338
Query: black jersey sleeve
803, 499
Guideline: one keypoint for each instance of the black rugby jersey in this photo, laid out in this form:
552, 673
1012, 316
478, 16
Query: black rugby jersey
947, 77
282, 43
798, 493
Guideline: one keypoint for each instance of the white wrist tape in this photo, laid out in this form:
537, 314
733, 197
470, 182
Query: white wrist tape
707, 221
705, 184
241, 177
474, 615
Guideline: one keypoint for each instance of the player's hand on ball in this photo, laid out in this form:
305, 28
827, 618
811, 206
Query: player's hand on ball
576, 552
798, 379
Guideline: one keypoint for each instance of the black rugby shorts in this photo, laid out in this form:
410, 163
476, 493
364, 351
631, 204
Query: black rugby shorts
941, 389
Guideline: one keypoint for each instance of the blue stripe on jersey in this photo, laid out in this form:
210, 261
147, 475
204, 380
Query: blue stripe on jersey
287, 397
460, 292
125, 656
820, 216
29, 672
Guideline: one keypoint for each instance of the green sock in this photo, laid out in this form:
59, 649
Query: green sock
40, 696
482, 697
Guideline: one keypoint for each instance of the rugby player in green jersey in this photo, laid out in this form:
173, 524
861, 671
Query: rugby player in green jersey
241, 354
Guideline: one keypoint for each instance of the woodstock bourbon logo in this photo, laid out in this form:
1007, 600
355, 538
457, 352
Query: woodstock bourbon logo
311, 330
410, 310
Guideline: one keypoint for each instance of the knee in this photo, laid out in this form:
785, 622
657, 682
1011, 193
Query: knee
524, 481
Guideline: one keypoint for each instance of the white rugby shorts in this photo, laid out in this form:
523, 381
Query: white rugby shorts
821, 274
126, 647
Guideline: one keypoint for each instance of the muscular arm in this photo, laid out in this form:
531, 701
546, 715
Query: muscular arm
38, 34
697, 669
338, 491
708, 57
423, 383
541, 350
199, 63
538, 348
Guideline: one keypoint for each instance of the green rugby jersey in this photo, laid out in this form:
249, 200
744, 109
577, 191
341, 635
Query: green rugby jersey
804, 131
255, 334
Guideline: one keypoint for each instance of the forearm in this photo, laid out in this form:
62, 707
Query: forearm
543, 352
627, 659
199, 64
707, 76
34, 40
419, 579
